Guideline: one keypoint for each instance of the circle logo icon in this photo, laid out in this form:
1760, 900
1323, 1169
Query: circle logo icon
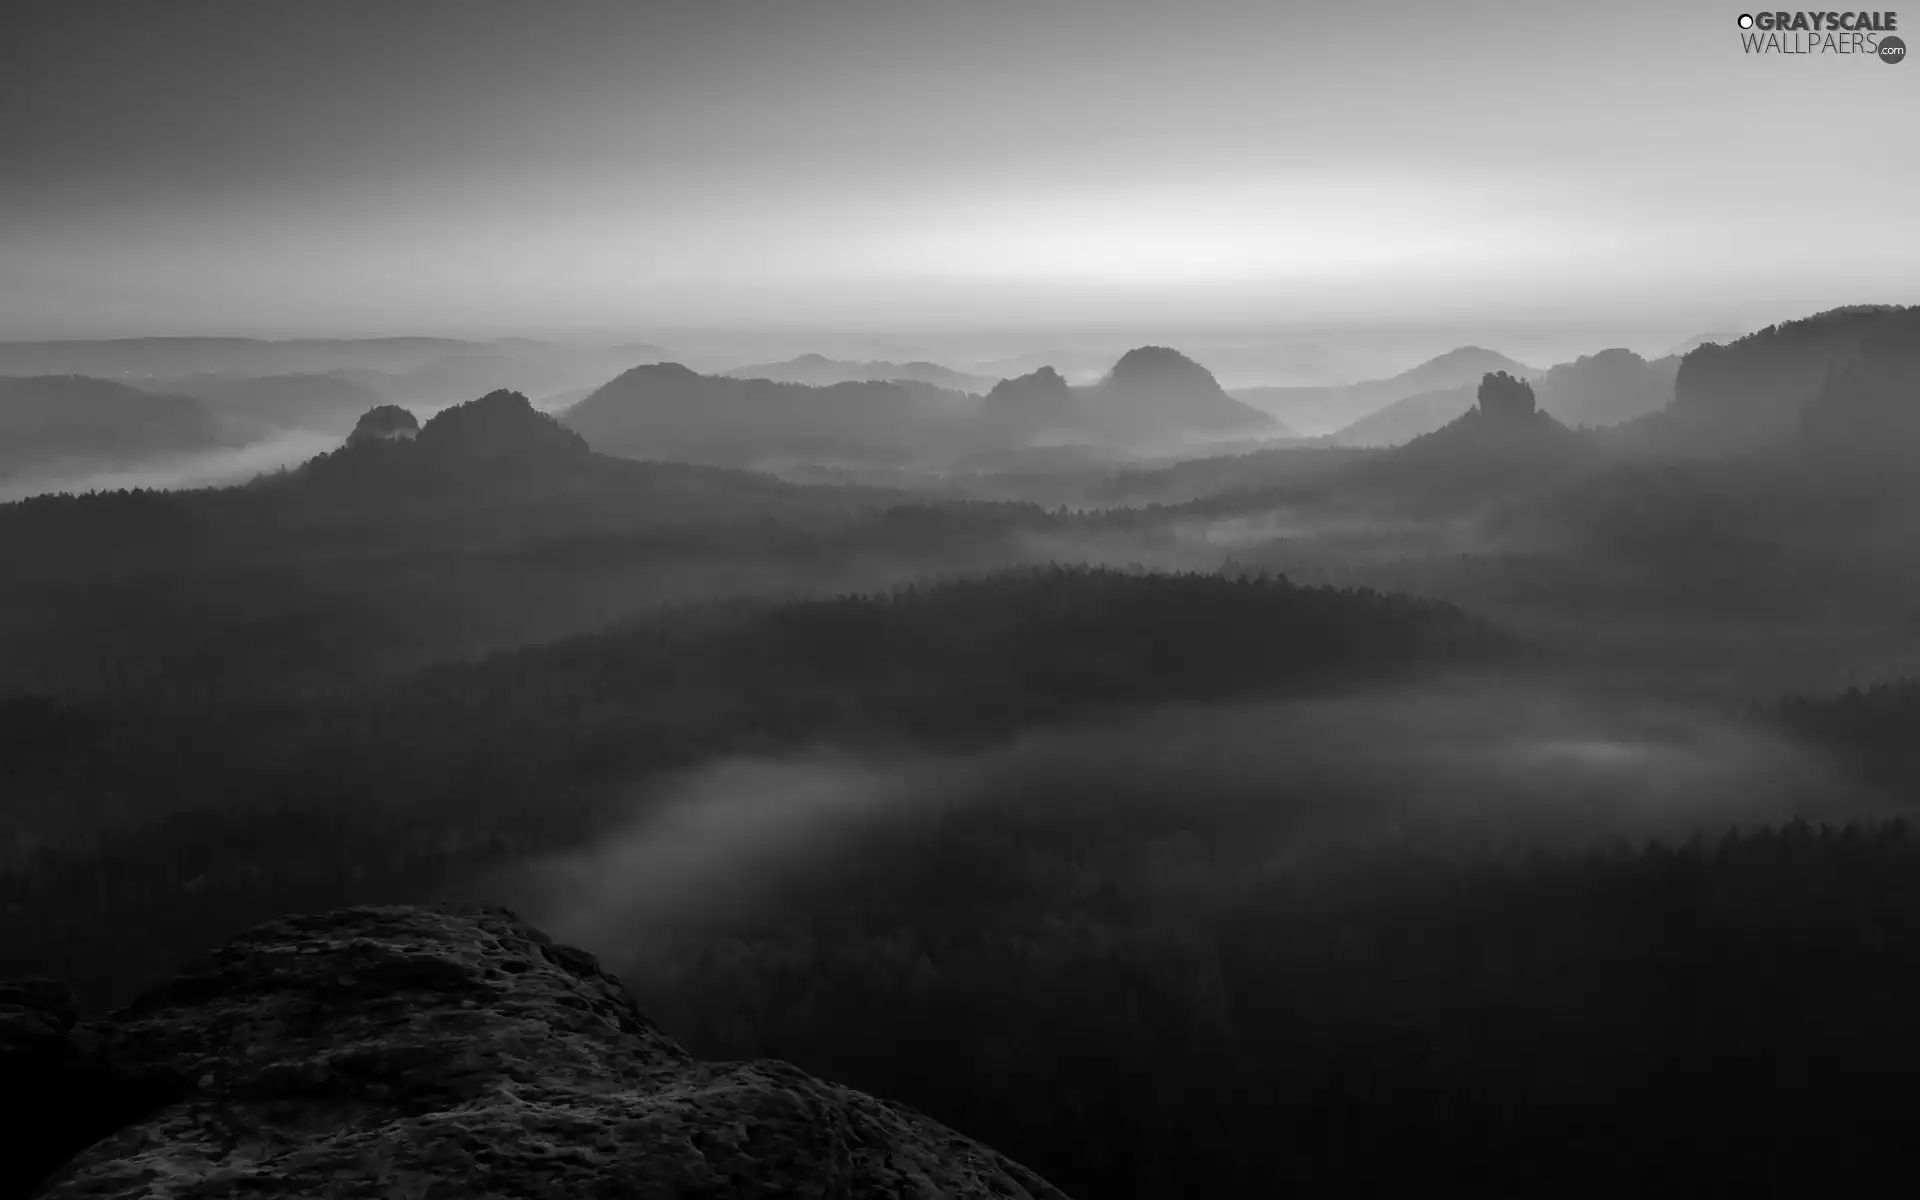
1892, 50
1746, 20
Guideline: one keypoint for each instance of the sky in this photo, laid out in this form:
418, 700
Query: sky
489, 168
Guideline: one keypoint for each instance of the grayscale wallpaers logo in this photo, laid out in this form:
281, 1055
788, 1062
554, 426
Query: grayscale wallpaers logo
1868, 34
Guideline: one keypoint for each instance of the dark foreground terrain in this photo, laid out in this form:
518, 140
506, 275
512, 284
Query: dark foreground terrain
397, 1051
1521, 809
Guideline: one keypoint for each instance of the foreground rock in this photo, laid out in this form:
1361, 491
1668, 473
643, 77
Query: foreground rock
425, 1052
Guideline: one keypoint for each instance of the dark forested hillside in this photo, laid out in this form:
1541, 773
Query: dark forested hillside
1166, 881
154, 820
1754, 390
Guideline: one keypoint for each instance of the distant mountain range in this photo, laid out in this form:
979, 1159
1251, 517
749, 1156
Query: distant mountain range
1151, 395
1501, 449
817, 370
58, 422
665, 410
428, 372
1597, 389
257, 406
1321, 410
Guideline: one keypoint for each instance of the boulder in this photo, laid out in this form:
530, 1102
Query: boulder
440, 1052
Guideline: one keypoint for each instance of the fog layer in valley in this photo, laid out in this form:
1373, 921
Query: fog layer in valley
1240, 792
209, 468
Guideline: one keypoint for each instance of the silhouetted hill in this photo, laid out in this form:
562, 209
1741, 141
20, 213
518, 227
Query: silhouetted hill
665, 410
1597, 389
1036, 407
494, 442
52, 421
1866, 414
817, 370
407, 370
1608, 388
1442, 385
1408, 418
1464, 364
1499, 451
1754, 391
1155, 393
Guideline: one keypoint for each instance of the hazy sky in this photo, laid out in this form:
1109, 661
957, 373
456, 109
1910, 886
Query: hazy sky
487, 166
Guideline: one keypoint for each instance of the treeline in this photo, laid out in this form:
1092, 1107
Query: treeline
1726, 1017
274, 589
1877, 729
129, 812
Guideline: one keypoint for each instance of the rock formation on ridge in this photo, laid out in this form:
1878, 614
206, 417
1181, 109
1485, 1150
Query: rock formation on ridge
387, 422
425, 1051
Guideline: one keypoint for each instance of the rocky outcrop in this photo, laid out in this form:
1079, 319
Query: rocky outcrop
387, 422
429, 1052
1504, 397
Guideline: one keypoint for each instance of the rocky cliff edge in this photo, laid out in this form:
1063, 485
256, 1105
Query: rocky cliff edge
427, 1052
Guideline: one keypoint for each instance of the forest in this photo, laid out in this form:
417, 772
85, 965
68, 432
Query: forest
1521, 808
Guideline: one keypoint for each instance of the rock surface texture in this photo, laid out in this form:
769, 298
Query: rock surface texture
418, 1052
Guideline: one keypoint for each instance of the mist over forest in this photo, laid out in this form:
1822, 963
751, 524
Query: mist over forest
1213, 618
1106, 767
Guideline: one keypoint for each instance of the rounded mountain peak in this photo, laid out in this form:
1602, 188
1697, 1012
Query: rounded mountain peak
1157, 364
501, 426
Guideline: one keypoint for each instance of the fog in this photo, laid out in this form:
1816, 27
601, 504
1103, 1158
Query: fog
210, 468
1243, 791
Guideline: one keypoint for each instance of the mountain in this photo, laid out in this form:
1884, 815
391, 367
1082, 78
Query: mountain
50, 422
1461, 365
1503, 449
422, 371
1319, 410
366, 1050
1597, 389
665, 410
1867, 413
817, 370
1154, 393
256, 406
387, 423
1034, 408
1608, 388
1406, 419
496, 442
1756, 390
